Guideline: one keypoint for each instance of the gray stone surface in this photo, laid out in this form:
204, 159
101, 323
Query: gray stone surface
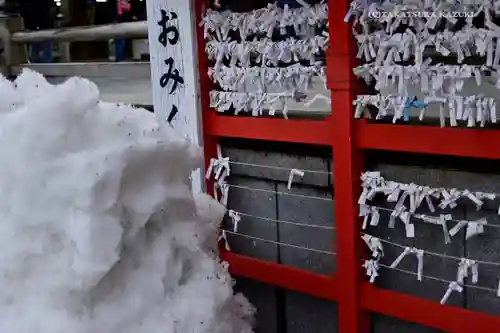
427, 236
485, 247
312, 212
306, 314
263, 297
260, 204
430, 238
279, 160
384, 324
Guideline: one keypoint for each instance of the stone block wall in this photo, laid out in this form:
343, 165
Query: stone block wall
285, 311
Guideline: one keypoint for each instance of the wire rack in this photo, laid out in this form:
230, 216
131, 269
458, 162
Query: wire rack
348, 139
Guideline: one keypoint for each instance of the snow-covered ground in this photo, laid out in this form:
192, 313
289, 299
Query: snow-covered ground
99, 228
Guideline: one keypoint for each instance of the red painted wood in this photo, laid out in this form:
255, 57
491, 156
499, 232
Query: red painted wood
347, 166
209, 141
431, 140
339, 77
291, 278
274, 129
410, 308
348, 138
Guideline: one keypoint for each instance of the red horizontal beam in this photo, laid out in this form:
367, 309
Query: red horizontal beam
429, 140
317, 285
272, 129
421, 311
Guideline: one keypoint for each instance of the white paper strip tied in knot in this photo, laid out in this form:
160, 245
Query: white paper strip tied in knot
223, 237
419, 253
291, 175
389, 48
255, 103
375, 245
373, 183
433, 79
292, 78
472, 110
223, 188
474, 228
219, 167
371, 266
235, 218
369, 214
266, 20
453, 286
465, 265
267, 52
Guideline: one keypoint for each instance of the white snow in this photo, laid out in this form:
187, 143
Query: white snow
100, 231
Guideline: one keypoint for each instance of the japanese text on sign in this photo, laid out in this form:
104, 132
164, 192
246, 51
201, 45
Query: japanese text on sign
170, 35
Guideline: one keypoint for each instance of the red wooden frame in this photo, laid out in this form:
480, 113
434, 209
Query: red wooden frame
347, 137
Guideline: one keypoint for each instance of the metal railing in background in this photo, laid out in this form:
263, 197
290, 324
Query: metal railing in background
128, 30
14, 57
125, 69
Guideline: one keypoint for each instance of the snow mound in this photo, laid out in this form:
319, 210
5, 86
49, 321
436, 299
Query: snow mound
101, 232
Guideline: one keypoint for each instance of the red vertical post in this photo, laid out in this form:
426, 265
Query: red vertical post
209, 141
347, 166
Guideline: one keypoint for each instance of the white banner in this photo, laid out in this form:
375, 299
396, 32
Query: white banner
172, 48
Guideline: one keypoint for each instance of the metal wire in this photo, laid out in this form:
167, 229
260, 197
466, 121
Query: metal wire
279, 168
333, 253
382, 179
428, 277
441, 255
452, 220
279, 243
332, 227
288, 222
491, 263
280, 193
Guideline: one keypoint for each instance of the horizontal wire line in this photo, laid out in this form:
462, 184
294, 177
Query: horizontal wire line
279, 243
382, 179
314, 171
438, 279
333, 253
452, 220
281, 193
329, 199
279, 168
288, 222
331, 228
442, 255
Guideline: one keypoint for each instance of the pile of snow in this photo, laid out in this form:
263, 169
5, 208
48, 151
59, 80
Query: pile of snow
100, 231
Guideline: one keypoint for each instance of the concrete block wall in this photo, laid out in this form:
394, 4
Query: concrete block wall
430, 237
281, 310
284, 311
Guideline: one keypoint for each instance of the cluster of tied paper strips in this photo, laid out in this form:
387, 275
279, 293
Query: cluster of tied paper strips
435, 199
385, 46
256, 72
218, 170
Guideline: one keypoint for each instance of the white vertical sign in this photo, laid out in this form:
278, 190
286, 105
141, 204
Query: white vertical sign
172, 47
